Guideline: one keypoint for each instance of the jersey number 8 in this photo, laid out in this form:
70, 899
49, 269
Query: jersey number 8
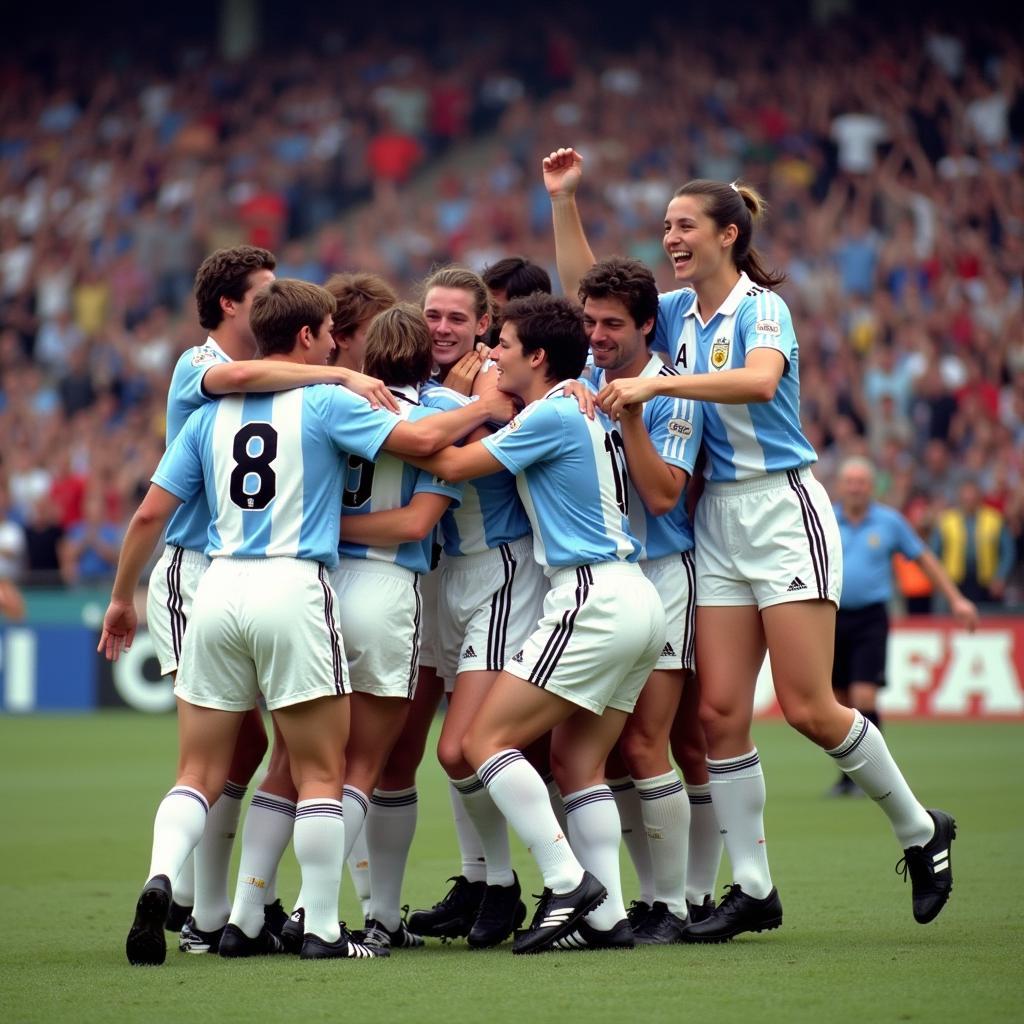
254, 467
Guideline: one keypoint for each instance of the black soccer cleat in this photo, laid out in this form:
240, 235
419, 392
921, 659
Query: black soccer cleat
585, 937
344, 947
501, 913
235, 943
661, 927
931, 869
636, 913
737, 913
374, 934
193, 940
293, 930
453, 916
146, 944
274, 917
697, 912
559, 914
177, 915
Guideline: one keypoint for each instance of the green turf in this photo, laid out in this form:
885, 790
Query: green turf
78, 796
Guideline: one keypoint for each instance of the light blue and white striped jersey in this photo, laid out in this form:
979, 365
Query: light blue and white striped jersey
571, 475
190, 524
491, 513
675, 426
272, 466
390, 483
741, 440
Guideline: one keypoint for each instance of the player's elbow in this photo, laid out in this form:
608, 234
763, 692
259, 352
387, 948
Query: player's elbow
420, 527
661, 504
764, 387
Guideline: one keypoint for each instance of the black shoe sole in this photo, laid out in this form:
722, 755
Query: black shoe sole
518, 918
454, 929
709, 940
146, 945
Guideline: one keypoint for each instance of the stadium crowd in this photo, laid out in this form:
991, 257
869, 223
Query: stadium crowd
892, 162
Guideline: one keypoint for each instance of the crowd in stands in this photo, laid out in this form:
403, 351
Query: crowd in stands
892, 159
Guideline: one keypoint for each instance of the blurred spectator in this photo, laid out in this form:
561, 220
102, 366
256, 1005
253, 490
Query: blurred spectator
88, 551
12, 558
43, 535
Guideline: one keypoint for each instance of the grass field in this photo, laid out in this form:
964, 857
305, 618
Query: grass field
79, 795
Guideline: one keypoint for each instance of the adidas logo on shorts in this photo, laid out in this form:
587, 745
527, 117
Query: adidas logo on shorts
797, 584
667, 651
469, 652
518, 656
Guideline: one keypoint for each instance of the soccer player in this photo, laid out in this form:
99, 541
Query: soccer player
264, 611
226, 283
581, 670
871, 534
660, 440
769, 557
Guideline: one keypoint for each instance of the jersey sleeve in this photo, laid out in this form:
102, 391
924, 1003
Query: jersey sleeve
426, 483
676, 426
534, 435
667, 325
187, 380
765, 322
351, 423
181, 469
908, 543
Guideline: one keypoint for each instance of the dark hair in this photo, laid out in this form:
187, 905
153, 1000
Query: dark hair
360, 297
627, 280
554, 324
740, 205
225, 274
467, 280
282, 309
517, 276
399, 348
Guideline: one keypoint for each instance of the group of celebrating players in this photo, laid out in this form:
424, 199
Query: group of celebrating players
575, 626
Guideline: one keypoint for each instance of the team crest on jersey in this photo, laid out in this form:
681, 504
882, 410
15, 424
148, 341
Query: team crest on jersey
681, 428
203, 354
768, 327
719, 352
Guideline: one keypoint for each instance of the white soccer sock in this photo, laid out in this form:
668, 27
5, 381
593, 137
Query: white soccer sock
184, 886
738, 794
359, 868
212, 904
319, 840
705, 845
357, 806
490, 826
522, 797
557, 804
864, 756
265, 836
627, 800
596, 834
178, 826
666, 816
471, 849
390, 827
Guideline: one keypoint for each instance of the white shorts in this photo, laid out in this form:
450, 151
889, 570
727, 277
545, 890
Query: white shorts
602, 632
262, 625
766, 541
172, 588
379, 612
490, 603
675, 579
430, 587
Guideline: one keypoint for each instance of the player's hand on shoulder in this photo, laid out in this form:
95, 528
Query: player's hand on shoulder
563, 171
119, 625
626, 391
586, 397
463, 374
373, 390
500, 405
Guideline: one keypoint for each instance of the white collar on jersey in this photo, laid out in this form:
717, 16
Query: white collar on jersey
215, 345
407, 391
731, 303
558, 387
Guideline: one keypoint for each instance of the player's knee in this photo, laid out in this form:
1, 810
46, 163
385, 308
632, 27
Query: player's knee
809, 719
644, 754
451, 757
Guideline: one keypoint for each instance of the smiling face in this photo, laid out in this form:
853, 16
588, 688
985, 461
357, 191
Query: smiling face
321, 344
697, 247
615, 339
514, 369
454, 327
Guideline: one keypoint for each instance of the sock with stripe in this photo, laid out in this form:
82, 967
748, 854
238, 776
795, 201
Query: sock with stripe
474, 864
492, 828
666, 816
738, 794
864, 756
177, 828
705, 845
522, 797
212, 904
319, 839
184, 886
265, 836
359, 868
596, 835
557, 803
627, 800
357, 806
390, 827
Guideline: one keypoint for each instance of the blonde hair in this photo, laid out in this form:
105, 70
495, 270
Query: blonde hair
360, 297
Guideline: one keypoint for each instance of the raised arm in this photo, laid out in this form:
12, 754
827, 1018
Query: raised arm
563, 171
412, 522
